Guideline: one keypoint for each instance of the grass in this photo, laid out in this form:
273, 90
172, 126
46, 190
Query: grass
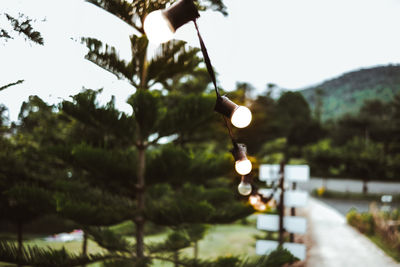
387, 249
221, 240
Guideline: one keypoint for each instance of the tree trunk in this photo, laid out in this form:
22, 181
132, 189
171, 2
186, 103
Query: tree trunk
196, 250
84, 244
365, 187
19, 233
140, 200
176, 258
139, 220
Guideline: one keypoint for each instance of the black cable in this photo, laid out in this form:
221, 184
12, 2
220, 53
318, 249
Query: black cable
213, 79
207, 60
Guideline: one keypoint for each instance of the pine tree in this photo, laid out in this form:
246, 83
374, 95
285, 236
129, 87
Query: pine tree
181, 186
174, 60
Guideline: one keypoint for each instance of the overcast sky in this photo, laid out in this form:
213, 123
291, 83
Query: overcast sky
292, 43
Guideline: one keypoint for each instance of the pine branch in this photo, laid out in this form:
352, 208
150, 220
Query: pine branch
11, 84
173, 59
120, 8
4, 34
24, 27
35, 256
106, 57
110, 240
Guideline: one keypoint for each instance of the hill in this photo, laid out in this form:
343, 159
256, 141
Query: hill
347, 93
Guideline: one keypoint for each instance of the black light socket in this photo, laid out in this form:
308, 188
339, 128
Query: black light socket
248, 178
239, 152
180, 13
225, 106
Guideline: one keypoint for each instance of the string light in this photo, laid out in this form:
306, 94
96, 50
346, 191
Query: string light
245, 187
160, 26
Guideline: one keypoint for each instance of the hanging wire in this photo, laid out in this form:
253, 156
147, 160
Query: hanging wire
213, 79
207, 60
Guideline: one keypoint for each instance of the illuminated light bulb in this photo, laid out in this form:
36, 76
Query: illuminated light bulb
160, 25
157, 28
241, 117
243, 167
242, 163
261, 207
253, 199
244, 188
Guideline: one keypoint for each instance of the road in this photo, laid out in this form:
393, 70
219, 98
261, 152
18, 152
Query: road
350, 185
333, 243
343, 206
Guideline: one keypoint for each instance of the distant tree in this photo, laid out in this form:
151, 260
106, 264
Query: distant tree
364, 162
264, 125
294, 121
318, 104
23, 193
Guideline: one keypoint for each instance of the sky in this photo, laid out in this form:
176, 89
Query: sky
291, 43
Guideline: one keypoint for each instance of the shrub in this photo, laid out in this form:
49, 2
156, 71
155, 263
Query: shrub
364, 222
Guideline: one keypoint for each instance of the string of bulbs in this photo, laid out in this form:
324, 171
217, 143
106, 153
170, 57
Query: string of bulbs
160, 26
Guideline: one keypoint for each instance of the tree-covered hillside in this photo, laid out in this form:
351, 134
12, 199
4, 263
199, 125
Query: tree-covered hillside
347, 93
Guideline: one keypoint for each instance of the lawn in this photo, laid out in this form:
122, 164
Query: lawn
221, 240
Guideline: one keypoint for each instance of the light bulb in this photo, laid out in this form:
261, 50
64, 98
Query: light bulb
157, 27
261, 207
253, 199
241, 117
243, 167
244, 188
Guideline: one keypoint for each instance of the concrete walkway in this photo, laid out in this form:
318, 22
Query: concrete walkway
333, 243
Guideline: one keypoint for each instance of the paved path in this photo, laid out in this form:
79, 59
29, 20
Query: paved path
336, 244
343, 206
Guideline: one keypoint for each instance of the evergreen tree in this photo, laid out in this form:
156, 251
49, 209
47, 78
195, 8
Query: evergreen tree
173, 62
181, 180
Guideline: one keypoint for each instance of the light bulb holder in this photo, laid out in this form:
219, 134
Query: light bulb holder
225, 106
239, 152
248, 178
180, 13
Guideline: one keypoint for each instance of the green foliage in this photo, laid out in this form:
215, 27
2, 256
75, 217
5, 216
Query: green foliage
228, 261
98, 126
24, 202
191, 116
147, 110
168, 207
196, 232
276, 258
172, 61
178, 165
193, 204
127, 262
263, 127
111, 170
87, 205
34, 256
364, 222
347, 93
175, 241
109, 240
